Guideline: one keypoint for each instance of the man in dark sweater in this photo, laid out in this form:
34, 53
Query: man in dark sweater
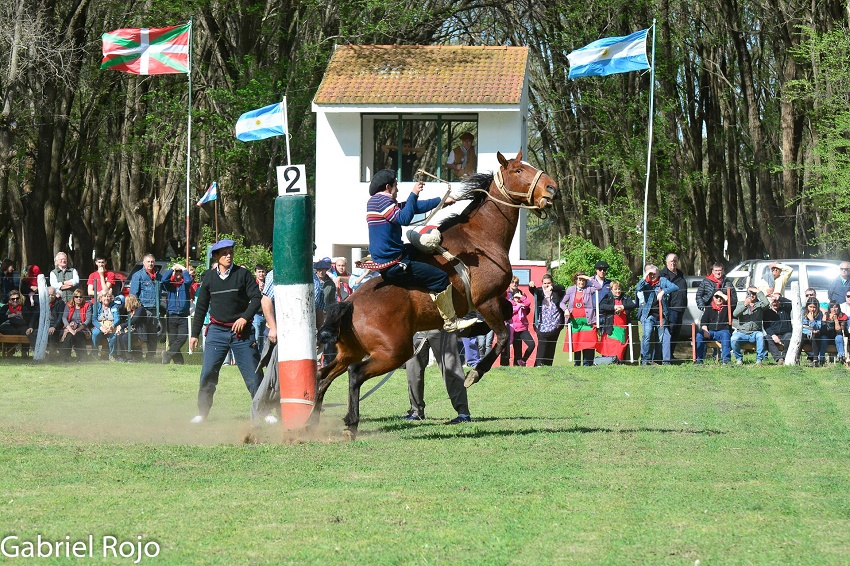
678, 299
232, 297
777, 327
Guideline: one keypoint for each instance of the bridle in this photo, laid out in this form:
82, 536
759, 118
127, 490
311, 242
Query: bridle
514, 198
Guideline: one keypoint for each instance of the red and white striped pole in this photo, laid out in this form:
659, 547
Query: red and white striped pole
294, 303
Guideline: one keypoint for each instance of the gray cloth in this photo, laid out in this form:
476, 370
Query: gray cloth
267, 399
444, 346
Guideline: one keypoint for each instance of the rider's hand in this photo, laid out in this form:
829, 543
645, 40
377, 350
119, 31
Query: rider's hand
417, 188
449, 200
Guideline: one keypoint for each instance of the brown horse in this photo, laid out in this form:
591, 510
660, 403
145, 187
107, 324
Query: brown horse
373, 328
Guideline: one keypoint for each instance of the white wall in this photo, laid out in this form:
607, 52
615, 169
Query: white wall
341, 198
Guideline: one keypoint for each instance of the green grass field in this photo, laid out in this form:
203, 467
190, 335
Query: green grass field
563, 465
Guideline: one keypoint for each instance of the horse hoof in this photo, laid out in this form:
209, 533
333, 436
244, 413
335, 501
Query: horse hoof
349, 435
471, 378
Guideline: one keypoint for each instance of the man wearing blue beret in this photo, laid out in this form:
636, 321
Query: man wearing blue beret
232, 297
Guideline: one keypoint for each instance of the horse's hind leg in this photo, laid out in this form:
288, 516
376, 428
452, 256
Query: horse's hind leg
492, 313
377, 364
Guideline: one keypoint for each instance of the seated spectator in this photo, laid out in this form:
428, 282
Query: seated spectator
812, 319
653, 294
130, 335
55, 323
714, 325
105, 319
548, 316
832, 329
78, 321
13, 318
615, 308
580, 313
100, 280
777, 327
750, 313
519, 324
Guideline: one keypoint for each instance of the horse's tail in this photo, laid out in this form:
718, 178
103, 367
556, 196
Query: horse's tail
337, 316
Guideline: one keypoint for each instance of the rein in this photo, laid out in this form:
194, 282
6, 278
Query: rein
500, 184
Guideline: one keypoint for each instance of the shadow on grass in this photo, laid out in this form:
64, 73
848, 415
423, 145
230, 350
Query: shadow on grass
439, 430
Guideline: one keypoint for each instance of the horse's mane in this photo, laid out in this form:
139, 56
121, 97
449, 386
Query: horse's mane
472, 191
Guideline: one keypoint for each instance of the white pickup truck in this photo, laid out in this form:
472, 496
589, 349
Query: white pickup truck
816, 273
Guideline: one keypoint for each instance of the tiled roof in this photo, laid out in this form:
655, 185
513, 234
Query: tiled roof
417, 74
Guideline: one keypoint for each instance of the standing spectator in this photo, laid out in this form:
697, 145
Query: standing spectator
231, 296
77, 333
578, 307
8, 279
13, 318
714, 325
100, 280
750, 315
615, 309
777, 327
604, 284
519, 325
195, 283
29, 281
259, 322
56, 311
328, 298
444, 346
548, 316
462, 160
780, 274
678, 299
177, 284
63, 277
105, 319
145, 285
812, 319
715, 281
841, 285
320, 271
340, 276
653, 294
505, 356
832, 330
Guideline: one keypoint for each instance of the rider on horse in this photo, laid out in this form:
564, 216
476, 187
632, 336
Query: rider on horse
385, 217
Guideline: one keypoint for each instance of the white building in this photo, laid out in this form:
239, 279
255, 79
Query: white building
376, 98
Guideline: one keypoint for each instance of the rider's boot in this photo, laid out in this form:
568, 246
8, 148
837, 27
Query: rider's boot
447, 310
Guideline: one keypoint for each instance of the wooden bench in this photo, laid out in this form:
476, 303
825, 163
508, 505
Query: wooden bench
8, 343
745, 347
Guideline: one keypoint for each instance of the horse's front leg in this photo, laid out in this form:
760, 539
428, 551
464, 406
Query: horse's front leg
326, 376
495, 318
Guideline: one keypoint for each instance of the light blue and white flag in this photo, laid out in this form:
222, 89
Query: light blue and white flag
210, 195
260, 124
609, 56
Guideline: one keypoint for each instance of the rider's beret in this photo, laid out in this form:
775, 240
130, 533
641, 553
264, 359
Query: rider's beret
380, 181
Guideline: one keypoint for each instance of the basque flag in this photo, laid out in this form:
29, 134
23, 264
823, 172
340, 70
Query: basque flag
147, 51
609, 56
262, 123
210, 195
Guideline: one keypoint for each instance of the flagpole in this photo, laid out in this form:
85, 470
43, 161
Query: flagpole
215, 203
286, 130
189, 141
649, 145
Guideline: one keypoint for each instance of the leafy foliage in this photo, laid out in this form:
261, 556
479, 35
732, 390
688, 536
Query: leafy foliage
248, 256
579, 254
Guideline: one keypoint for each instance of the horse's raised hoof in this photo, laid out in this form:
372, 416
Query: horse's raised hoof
349, 435
472, 378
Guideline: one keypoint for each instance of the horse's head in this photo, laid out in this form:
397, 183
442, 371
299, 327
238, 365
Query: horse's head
524, 184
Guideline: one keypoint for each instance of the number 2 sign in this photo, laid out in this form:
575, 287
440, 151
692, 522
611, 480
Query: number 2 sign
291, 180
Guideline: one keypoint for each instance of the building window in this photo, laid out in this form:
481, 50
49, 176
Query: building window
407, 143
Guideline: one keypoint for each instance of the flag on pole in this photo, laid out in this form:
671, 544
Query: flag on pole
210, 195
609, 56
147, 51
262, 123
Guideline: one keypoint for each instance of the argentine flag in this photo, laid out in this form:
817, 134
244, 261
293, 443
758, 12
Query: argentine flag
261, 124
609, 56
210, 195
